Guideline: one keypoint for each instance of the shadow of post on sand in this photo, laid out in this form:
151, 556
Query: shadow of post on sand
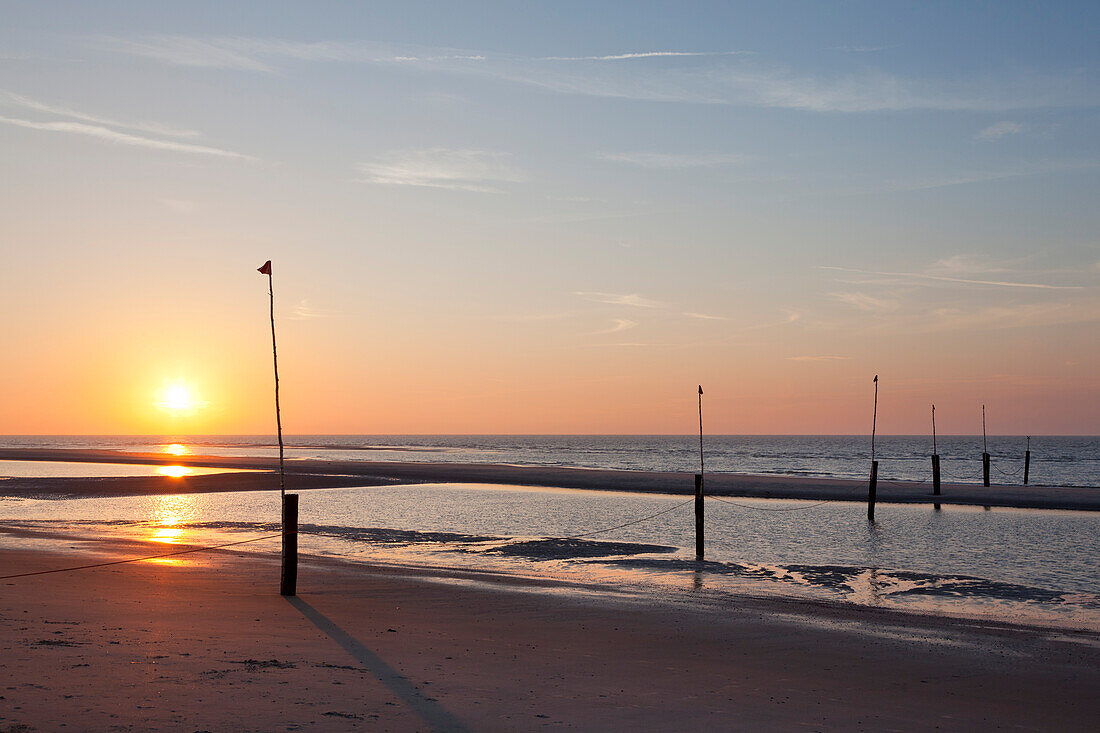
438, 717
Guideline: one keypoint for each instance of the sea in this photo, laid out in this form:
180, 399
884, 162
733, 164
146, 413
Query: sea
1055, 461
1018, 565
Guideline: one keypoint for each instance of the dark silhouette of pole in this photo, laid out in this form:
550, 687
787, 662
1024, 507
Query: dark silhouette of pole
701, 471
289, 504
288, 579
985, 452
873, 485
698, 516
935, 457
266, 270
1027, 460
699, 486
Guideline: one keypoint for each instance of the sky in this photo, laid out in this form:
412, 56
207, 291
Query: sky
550, 218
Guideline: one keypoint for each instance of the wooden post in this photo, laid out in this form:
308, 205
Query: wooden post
1027, 460
265, 269
985, 452
698, 516
871, 492
935, 457
701, 471
874, 464
288, 583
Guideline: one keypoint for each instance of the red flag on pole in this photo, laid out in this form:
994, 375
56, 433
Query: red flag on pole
266, 268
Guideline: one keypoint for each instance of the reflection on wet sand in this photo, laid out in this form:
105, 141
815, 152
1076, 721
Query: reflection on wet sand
168, 516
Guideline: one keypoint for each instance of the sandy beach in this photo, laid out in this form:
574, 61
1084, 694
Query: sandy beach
305, 474
204, 642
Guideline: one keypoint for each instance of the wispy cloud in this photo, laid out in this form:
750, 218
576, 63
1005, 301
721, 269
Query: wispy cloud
629, 299
103, 133
304, 310
966, 264
961, 280
673, 160
460, 170
1012, 316
704, 316
726, 77
645, 55
18, 100
789, 317
865, 302
215, 53
998, 130
860, 49
818, 358
617, 325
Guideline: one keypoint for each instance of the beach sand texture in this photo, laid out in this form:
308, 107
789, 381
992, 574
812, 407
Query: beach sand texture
204, 642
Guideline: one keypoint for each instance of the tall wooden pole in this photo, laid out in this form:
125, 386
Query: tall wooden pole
275, 362
935, 457
288, 504
699, 487
873, 485
701, 471
1027, 460
985, 452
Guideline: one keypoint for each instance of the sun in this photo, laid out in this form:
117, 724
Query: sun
179, 398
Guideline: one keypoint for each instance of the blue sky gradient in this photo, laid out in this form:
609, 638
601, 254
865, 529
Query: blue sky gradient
550, 217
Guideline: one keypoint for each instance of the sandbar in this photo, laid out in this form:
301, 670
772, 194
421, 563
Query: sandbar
310, 473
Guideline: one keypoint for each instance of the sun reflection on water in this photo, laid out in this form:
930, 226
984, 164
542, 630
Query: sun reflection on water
177, 449
168, 515
174, 471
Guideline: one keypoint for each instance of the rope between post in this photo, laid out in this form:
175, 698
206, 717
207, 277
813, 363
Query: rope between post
138, 559
627, 524
766, 509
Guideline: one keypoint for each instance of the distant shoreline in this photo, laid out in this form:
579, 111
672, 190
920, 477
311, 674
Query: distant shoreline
312, 473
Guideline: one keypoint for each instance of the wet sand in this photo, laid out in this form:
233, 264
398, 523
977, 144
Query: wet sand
304, 474
204, 642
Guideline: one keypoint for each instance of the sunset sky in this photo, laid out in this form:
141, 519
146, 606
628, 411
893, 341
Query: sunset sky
550, 217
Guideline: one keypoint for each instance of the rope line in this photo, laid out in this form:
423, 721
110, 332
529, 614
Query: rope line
766, 509
626, 524
138, 559
1008, 473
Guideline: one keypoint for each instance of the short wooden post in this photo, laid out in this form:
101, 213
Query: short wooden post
985, 469
288, 583
1027, 460
871, 492
698, 516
